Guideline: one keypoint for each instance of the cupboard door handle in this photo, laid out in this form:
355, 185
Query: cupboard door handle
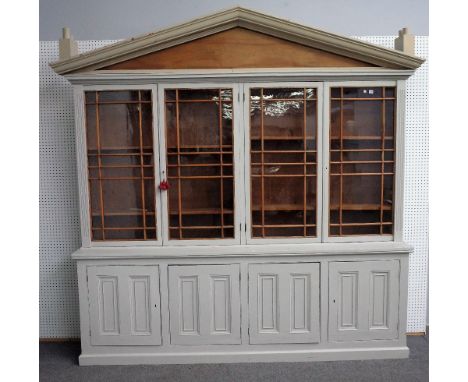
164, 185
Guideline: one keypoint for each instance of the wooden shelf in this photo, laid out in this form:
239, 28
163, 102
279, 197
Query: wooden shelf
202, 211
360, 138
282, 207
281, 138
136, 213
360, 207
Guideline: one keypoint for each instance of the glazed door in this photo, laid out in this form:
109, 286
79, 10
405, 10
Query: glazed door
283, 162
200, 168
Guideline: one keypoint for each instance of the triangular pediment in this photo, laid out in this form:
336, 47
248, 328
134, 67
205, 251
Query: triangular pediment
237, 38
237, 48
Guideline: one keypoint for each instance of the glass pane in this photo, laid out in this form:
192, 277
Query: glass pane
283, 130
361, 161
200, 164
119, 130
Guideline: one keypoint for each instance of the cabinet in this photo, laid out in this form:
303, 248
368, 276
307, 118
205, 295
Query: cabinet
284, 303
124, 305
363, 301
255, 168
204, 304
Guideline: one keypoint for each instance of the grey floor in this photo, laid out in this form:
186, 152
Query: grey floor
58, 362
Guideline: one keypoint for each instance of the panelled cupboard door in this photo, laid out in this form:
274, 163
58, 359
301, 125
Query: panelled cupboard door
124, 305
363, 300
204, 304
284, 303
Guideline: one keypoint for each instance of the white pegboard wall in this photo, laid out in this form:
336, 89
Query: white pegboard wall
59, 222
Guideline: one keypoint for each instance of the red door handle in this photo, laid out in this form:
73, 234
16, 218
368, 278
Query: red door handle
164, 185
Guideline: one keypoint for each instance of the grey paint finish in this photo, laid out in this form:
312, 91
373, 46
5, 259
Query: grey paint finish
118, 19
124, 305
363, 300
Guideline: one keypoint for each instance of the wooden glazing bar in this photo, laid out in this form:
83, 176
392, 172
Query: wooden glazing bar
123, 166
360, 138
281, 138
363, 99
285, 226
199, 153
202, 147
289, 99
202, 165
117, 102
282, 207
118, 154
125, 213
359, 207
142, 182
201, 177
98, 143
362, 162
284, 163
284, 175
360, 150
361, 173
127, 228
220, 121
383, 163
360, 224
284, 151
198, 101
136, 148
123, 178
179, 183
204, 211
204, 227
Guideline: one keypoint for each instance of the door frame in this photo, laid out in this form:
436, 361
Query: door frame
246, 121
239, 198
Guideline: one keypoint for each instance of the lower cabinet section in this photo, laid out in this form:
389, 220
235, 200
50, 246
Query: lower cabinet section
243, 309
204, 304
363, 300
284, 303
124, 305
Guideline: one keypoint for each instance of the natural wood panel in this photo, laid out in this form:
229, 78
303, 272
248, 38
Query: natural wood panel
238, 48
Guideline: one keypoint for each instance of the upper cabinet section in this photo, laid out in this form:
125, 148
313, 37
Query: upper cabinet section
238, 48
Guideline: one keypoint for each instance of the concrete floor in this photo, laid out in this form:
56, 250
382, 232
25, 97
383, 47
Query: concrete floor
59, 362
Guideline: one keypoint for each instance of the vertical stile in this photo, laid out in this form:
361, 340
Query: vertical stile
220, 120
305, 160
262, 161
142, 173
340, 217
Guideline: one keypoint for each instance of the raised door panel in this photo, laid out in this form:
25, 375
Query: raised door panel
284, 303
363, 300
204, 304
124, 305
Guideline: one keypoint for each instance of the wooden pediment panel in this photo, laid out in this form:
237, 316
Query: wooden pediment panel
237, 48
